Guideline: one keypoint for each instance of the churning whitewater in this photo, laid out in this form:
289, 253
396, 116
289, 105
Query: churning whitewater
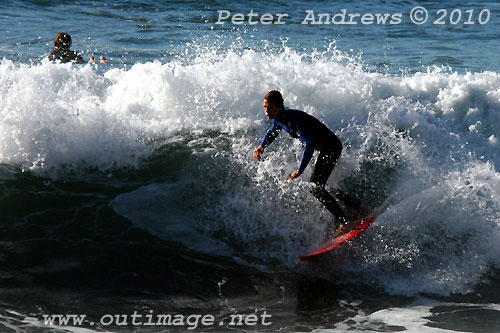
421, 147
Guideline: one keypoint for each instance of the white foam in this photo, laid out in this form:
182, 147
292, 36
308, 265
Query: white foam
428, 142
54, 115
409, 319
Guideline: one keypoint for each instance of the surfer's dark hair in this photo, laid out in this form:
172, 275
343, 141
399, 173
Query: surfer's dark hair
274, 97
63, 41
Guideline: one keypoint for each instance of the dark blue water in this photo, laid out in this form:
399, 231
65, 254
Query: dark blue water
130, 187
456, 34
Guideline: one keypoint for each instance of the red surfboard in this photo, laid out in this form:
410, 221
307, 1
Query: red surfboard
332, 244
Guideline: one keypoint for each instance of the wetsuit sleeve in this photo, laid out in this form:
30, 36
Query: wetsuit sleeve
307, 155
271, 134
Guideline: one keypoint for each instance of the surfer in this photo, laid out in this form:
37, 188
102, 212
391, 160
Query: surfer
316, 136
62, 52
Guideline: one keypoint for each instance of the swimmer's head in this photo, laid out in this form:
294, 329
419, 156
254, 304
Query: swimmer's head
63, 41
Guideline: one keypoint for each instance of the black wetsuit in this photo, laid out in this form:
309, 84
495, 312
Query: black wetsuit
316, 136
65, 55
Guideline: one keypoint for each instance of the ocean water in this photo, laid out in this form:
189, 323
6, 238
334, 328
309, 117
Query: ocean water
129, 188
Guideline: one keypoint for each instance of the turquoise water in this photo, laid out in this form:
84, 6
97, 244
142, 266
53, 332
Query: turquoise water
131, 186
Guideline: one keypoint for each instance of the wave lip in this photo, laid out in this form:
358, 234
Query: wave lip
425, 140
63, 115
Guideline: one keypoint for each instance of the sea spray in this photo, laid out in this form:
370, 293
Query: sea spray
420, 147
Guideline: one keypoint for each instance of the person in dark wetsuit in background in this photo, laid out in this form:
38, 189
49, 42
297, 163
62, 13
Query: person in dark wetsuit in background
62, 52
316, 136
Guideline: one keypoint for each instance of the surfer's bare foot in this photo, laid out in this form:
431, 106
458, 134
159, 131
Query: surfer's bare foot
343, 229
